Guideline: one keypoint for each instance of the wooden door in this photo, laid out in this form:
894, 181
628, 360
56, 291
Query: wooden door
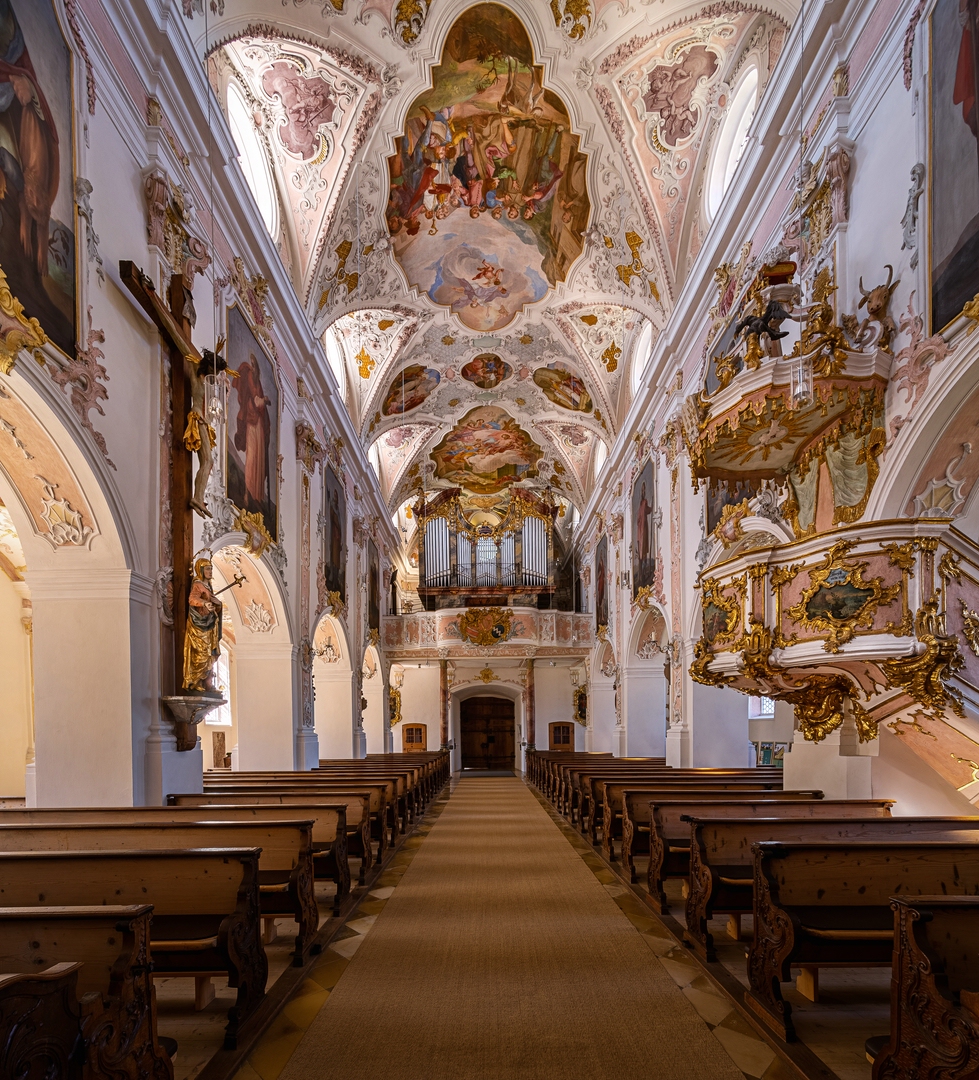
487, 733
414, 737
561, 737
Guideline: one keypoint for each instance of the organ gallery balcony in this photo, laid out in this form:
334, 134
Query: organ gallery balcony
867, 621
486, 551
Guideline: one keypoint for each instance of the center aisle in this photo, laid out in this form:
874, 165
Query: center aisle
500, 955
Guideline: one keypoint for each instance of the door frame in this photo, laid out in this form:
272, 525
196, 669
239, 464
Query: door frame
491, 689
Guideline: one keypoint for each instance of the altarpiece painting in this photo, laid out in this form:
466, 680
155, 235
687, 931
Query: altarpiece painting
253, 425
954, 159
335, 533
643, 548
601, 583
37, 214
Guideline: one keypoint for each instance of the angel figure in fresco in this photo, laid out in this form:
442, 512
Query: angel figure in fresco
253, 433
202, 638
29, 151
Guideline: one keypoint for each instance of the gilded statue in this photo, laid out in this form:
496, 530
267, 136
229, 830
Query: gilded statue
202, 638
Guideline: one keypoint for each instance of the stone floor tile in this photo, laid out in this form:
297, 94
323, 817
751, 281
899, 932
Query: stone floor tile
363, 924
276, 1046
710, 1005
382, 893
751, 1054
303, 1008
682, 973
348, 946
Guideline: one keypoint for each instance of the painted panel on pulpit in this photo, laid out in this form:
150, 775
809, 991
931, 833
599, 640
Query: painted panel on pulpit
253, 425
335, 533
37, 214
954, 159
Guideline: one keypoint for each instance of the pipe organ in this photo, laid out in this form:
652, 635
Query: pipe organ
463, 561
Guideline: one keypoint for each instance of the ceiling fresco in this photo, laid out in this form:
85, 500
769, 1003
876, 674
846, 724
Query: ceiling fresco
487, 199
484, 207
486, 452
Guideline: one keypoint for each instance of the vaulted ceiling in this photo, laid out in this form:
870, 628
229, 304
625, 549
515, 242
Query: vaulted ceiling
488, 210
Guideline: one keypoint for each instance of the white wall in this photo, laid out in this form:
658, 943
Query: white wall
898, 773
645, 717
333, 709
15, 698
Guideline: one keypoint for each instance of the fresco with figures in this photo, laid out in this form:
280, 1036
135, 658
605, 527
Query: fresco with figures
409, 389
486, 452
955, 160
488, 201
37, 214
253, 425
563, 387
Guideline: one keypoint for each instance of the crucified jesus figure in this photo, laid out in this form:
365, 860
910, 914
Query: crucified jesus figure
199, 436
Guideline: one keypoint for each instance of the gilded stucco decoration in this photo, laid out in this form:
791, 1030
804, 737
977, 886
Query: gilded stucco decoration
486, 626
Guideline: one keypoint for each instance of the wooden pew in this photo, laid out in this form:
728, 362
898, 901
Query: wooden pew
542, 771
722, 864
108, 949
656, 828
327, 812
934, 990
50, 1045
582, 796
395, 788
285, 868
817, 904
614, 819
591, 788
206, 912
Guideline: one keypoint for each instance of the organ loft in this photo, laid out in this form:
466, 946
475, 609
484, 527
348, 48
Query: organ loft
489, 539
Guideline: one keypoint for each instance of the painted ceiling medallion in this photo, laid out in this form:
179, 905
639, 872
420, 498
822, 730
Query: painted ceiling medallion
410, 389
486, 452
487, 202
486, 371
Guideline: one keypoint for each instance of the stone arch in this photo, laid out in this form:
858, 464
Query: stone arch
375, 719
264, 662
92, 720
334, 686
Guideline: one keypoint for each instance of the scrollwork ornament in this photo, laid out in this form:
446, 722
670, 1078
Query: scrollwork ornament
923, 676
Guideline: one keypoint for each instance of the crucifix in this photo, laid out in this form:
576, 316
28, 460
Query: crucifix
188, 368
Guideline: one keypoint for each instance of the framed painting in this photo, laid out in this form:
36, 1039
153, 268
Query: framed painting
335, 533
954, 160
643, 548
601, 583
37, 212
253, 425
373, 587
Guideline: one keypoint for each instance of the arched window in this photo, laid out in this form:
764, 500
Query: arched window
252, 158
641, 356
599, 456
334, 354
731, 139
374, 457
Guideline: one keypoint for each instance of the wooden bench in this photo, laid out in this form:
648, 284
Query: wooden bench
615, 818
591, 789
395, 799
585, 798
820, 904
108, 950
655, 826
330, 837
542, 771
206, 909
285, 868
934, 990
722, 864
50, 1045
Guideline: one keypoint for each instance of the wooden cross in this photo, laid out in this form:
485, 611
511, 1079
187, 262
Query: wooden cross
175, 330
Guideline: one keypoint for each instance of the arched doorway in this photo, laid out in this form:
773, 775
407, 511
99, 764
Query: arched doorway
487, 734
333, 690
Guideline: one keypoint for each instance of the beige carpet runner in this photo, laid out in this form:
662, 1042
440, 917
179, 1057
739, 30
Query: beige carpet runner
500, 955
